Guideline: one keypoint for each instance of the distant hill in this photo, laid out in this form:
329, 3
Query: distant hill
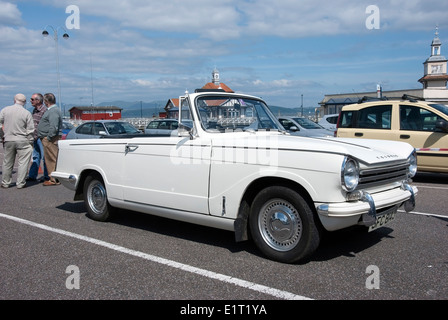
137, 109
282, 111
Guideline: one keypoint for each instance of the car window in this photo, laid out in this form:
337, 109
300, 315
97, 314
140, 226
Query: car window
113, 128
129, 128
174, 125
219, 114
376, 117
287, 124
440, 107
346, 119
332, 120
417, 119
97, 128
307, 123
120, 128
152, 125
86, 128
164, 125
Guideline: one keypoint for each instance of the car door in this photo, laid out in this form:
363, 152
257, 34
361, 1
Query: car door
168, 172
85, 131
418, 128
374, 122
98, 130
164, 128
151, 128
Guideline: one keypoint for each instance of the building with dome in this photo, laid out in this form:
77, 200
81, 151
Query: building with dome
172, 106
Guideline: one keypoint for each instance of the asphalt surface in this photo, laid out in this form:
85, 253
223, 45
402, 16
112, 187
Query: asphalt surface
50, 250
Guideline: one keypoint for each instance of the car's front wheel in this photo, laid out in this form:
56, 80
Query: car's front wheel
282, 225
95, 198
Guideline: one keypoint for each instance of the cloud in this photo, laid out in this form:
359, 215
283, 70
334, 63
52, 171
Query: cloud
156, 49
235, 19
9, 14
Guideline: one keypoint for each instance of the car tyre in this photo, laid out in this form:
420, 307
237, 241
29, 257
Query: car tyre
283, 225
95, 198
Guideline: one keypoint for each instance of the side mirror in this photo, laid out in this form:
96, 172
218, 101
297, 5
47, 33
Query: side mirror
185, 130
102, 133
294, 129
442, 125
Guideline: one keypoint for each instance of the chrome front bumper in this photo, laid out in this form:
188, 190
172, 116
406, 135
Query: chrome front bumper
337, 216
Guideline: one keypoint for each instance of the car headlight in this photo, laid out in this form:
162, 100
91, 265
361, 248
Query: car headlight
349, 174
412, 169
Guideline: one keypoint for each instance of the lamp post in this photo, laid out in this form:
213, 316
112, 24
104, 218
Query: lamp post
65, 36
302, 105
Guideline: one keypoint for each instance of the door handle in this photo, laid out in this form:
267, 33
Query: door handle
404, 136
359, 134
130, 148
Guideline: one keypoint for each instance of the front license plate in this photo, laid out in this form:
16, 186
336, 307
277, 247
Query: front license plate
384, 219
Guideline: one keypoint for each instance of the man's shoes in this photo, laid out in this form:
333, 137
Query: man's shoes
50, 183
5, 186
22, 187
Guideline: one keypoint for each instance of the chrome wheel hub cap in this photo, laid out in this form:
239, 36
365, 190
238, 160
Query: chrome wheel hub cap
280, 225
97, 197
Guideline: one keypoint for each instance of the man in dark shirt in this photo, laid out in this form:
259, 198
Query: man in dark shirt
49, 131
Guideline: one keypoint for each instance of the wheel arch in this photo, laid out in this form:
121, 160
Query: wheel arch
241, 226
79, 193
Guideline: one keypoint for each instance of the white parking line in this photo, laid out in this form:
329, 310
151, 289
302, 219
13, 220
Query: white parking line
426, 214
202, 272
430, 187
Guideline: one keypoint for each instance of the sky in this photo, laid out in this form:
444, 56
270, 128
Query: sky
280, 50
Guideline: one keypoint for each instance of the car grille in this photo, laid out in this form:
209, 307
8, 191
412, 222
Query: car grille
371, 177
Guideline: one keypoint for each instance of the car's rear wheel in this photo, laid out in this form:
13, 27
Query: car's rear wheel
282, 225
95, 198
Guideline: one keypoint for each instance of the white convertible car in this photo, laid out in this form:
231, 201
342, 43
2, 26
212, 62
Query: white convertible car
231, 165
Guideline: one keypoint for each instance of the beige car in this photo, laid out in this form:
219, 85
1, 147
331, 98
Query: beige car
424, 125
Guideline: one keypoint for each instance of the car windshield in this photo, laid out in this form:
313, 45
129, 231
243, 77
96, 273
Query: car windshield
440, 107
120, 128
307, 123
230, 114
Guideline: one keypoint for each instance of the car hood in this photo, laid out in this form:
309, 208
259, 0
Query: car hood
313, 133
365, 150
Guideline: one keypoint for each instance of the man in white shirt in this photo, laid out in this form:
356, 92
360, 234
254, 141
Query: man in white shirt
18, 130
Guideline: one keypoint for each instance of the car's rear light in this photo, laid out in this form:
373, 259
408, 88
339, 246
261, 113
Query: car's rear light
337, 125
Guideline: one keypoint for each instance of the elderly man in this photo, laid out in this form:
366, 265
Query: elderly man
49, 131
18, 130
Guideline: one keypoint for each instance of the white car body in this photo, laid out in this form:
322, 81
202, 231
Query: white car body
299, 126
213, 178
329, 121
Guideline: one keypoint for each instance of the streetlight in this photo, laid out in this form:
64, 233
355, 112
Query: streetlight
302, 105
65, 36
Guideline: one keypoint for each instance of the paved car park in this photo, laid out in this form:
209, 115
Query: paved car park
51, 250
